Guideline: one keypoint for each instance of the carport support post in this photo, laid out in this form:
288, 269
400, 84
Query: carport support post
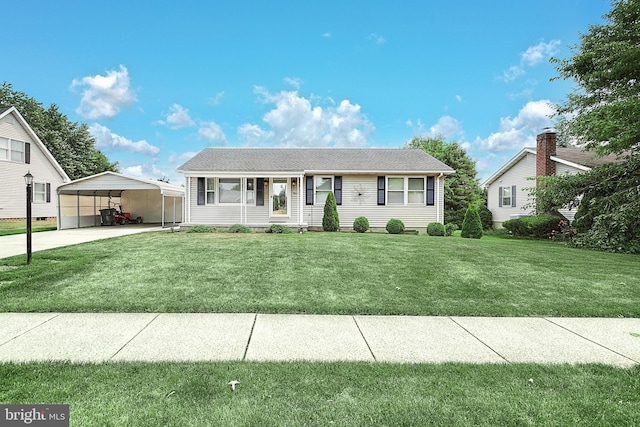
174, 211
163, 211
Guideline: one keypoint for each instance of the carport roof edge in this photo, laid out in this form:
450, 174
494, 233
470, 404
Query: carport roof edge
114, 184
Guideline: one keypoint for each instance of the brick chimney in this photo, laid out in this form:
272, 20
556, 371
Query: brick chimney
545, 148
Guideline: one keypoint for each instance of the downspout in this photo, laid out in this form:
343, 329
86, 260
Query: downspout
78, 207
438, 211
94, 208
59, 212
162, 210
300, 204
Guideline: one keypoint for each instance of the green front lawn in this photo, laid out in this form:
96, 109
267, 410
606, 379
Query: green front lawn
326, 273
325, 394
20, 227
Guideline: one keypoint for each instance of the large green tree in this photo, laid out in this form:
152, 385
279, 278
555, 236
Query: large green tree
70, 143
460, 189
603, 114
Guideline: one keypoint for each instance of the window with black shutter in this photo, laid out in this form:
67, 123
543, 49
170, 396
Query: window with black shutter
381, 190
201, 191
431, 191
309, 185
337, 189
259, 191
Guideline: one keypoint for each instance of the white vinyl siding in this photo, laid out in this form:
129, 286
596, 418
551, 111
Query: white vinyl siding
519, 175
12, 185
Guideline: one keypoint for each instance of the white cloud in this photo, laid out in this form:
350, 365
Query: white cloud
104, 96
446, 127
520, 131
295, 82
295, 122
212, 132
539, 53
178, 118
146, 170
377, 38
105, 139
216, 99
529, 58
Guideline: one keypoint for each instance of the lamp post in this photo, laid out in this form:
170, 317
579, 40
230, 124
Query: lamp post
28, 179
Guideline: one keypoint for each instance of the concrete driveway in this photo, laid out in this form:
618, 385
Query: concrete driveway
17, 244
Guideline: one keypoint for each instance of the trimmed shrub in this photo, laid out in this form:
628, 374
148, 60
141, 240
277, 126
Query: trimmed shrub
395, 226
450, 228
486, 217
538, 227
201, 229
330, 220
435, 229
279, 229
239, 228
472, 226
361, 224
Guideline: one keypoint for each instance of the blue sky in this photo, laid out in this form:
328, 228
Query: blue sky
158, 81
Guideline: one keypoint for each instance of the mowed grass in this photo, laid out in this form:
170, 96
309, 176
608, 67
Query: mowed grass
325, 394
324, 273
20, 227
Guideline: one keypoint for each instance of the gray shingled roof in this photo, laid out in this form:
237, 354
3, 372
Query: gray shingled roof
301, 160
585, 158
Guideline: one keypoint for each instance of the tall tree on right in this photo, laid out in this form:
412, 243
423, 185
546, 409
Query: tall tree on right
603, 114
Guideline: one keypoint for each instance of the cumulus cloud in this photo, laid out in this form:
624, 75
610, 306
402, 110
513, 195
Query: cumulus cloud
296, 122
105, 139
446, 127
531, 57
104, 96
212, 132
519, 131
178, 118
146, 170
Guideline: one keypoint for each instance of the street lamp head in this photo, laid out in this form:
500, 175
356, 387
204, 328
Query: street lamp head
28, 178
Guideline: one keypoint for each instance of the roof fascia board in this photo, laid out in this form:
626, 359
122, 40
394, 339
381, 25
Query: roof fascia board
515, 159
568, 163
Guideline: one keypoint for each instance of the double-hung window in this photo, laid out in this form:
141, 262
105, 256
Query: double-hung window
395, 191
251, 191
17, 151
13, 150
415, 191
4, 149
39, 192
211, 191
229, 190
507, 196
323, 187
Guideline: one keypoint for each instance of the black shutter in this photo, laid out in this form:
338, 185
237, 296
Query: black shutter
48, 192
430, 191
337, 189
259, 191
27, 152
381, 190
499, 197
310, 189
513, 196
201, 191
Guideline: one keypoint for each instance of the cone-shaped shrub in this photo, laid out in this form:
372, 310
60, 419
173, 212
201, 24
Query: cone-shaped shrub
472, 226
330, 220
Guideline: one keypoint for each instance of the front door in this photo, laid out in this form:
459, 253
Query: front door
280, 197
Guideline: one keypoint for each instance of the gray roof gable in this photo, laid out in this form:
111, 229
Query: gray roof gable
314, 160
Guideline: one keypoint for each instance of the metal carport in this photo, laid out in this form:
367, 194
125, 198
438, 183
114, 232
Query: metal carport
80, 201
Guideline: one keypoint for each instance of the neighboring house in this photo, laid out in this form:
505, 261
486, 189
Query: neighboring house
21, 151
510, 187
259, 187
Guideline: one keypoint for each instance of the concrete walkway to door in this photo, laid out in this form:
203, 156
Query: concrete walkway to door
16, 244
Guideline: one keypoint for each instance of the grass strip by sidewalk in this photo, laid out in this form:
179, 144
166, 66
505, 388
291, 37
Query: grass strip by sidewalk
323, 394
323, 273
20, 227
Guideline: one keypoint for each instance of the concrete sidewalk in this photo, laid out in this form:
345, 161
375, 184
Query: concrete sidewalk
89, 337
16, 244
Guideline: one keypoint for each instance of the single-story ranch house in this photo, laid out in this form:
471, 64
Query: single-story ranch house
258, 187
509, 187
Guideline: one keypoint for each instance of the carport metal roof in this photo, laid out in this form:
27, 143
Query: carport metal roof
114, 184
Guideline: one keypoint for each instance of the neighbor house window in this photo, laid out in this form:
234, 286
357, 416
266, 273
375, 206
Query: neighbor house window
211, 191
4, 149
229, 189
507, 196
395, 191
17, 151
416, 191
323, 187
251, 191
39, 192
